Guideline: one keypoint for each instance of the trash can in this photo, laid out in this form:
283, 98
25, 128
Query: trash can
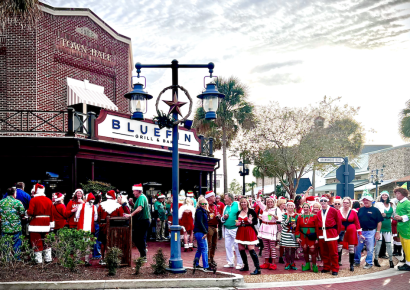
119, 234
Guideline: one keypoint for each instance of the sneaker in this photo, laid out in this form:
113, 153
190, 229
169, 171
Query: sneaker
287, 267
229, 266
272, 267
293, 266
405, 267
102, 263
144, 259
356, 264
265, 266
238, 267
208, 270
367, 266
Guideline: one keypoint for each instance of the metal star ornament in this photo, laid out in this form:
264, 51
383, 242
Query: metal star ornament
174, 105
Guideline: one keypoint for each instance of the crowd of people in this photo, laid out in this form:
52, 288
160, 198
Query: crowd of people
319, 228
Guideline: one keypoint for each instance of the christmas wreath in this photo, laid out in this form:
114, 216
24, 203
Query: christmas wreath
163, 120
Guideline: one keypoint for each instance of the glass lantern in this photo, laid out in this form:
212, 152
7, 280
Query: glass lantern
210, 100
138, 101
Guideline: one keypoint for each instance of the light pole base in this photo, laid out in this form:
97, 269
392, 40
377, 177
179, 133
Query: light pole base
176, 264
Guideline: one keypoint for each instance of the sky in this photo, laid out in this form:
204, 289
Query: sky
294, 52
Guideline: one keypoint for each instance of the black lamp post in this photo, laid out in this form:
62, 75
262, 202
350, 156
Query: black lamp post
175, 261
376, 178
243, 172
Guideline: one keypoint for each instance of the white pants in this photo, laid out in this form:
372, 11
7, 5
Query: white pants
231, 246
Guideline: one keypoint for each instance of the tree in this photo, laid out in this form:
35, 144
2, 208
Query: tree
251, 186
235, 187
287, 141
234, 112
25, 12
404, 122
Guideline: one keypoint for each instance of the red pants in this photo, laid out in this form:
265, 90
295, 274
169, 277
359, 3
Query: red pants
330, 257
37, 241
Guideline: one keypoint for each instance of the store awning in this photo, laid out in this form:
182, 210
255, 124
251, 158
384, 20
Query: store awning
370, 186
332, 187
82, 92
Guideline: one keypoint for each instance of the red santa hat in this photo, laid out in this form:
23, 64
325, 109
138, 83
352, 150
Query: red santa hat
38, 189
190, 194
310, 198
58, 196
90, 197
273, 197
324, 197
110, 194
282, 197
290, 202
260, 191
338, 197
209, 194
137, 187
160, 195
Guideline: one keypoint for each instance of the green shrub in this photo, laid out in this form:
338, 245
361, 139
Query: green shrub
70, 246
96, 186
138, 265
10, 259
113, 260
160, 262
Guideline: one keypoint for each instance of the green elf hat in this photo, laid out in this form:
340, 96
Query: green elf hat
385, 192
366, 195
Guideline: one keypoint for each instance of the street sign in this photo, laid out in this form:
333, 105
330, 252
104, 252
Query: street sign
340, 190
330, 160
340, 173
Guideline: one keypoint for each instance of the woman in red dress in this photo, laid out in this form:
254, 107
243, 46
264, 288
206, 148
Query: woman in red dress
186, 214
246, 219
72, 207
351, 227
306, 236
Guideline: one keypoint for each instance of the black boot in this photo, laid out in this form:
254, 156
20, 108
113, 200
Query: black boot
351, 261
391, 264
281, 260
255, 262
395, 252
260, 245
340, 258
244, 260
376, 263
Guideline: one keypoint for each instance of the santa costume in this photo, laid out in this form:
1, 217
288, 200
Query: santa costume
107, 209
41, 211
73, 204
328, 227
306, 232
59, 212
186, 215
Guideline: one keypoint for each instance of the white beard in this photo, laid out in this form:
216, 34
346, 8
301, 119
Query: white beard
110, 205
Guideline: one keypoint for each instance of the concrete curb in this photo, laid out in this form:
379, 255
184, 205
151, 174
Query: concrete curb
236, 281
376, 275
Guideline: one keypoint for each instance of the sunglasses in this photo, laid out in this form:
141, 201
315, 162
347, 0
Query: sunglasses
203, 203
338, 204
323, 200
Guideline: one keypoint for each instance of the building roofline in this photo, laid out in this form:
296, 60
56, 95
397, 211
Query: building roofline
391, 148
60, 11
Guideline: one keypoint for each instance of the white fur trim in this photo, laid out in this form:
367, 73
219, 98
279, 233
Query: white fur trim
137, 188
39, 194
110, 205
161, 196
246, 242
209, 195
41, 190
52, 224
190, 195
185, 207
359, 230
39, 229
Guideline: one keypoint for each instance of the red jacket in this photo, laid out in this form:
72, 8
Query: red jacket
213, 209
221, 207
59, 216
41, 210
72, 221
329, 224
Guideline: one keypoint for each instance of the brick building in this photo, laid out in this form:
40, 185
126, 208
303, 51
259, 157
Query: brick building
51, 77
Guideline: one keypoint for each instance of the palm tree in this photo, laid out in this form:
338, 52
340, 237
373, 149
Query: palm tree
25, 12
405, 121
234, 112
252, 185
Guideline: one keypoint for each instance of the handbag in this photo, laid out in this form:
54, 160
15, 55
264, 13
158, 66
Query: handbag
312, 236
341, 236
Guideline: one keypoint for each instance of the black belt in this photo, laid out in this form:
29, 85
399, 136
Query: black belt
346, 224
329, 228
367, 230
245, 225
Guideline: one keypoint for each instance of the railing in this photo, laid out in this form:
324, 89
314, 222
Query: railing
32, 121
207, 146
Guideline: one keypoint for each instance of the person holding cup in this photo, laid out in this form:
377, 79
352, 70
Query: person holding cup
214, 217
268, 230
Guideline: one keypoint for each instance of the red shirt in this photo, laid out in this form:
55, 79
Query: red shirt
332, 223
221, 207
72, 221
41, 209
213, 211
102, 217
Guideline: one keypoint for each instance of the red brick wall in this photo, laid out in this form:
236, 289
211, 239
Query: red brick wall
33, 70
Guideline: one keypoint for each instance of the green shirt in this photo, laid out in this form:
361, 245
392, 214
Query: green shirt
11, 211
386, 223
403, 209
231, 211
168, 206
144, 214
159, 207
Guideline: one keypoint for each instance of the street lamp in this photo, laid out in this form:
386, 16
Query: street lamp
175, 261
210, 100
376, 178
243, 172
138, 101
